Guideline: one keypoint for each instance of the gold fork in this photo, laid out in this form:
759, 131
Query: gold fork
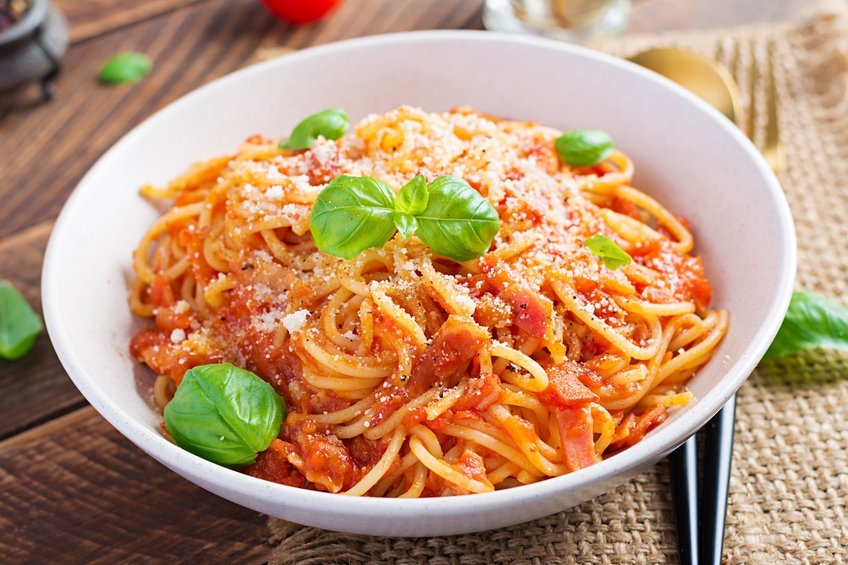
771, 148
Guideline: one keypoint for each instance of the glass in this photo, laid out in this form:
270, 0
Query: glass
571, 20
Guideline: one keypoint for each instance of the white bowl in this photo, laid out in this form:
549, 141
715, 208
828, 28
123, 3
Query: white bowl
687, 156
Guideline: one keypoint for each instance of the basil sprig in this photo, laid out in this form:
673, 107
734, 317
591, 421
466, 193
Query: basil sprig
128, 66
224, 414
608, 251
329, 124
812, 321
353, 214
19, 324
458, 222
584, 147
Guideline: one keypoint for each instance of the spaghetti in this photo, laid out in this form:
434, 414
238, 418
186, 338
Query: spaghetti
408, 374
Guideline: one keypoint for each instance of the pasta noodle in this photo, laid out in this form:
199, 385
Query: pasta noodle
406, 373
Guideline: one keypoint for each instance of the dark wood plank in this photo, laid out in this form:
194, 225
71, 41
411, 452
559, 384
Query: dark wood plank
35, 387
75, 491
90, 18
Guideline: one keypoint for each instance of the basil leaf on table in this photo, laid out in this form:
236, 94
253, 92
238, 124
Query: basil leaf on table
457, 222
224, 414
584, 147
812, 321
126, 67
329, 124
19, 324
351, 215
608, 251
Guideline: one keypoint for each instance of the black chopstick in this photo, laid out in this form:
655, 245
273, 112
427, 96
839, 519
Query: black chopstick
700, 533
718, 455
684, 489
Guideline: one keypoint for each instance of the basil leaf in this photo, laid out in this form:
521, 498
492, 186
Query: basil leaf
457, 222
584, 147
411, 199
129, 66
224, 414
812, 321
351, 215
19, 324
405, 223
608, 251
413, 196
329, 124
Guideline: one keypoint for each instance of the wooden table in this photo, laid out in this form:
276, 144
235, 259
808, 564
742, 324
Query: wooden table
72, 489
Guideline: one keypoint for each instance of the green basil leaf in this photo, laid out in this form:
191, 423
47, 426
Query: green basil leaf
608, 251
224, 414
812, 321
584, 147
329, 124
125, 67
405, 223
413, 196
19, 324
351, 215
458, 222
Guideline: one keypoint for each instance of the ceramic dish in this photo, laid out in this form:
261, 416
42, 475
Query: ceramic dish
687, 156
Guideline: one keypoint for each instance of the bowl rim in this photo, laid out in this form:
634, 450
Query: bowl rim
617, 468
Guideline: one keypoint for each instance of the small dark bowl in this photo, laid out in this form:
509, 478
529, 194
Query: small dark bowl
30, 50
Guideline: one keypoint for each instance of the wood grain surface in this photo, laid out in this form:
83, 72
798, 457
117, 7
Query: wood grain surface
113, 502
73, 489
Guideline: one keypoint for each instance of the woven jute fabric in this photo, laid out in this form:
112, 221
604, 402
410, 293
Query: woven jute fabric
789, 485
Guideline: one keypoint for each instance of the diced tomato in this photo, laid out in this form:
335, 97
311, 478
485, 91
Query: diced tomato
566, 386
192, 240
577, 437
365, 452
628, 208
683, 274
414, 417
273, 465
153, 347
479, 394
326, 462
530, 312
632, 428
472, 466
168, 315
451, 350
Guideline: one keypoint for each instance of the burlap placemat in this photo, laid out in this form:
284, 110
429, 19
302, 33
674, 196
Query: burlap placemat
789, 486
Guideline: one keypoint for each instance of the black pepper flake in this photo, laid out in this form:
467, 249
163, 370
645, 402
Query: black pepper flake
247, 266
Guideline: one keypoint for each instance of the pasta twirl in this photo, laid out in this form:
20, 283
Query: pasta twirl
408, 374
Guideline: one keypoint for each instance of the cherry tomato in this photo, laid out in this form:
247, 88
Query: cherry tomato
300, 11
